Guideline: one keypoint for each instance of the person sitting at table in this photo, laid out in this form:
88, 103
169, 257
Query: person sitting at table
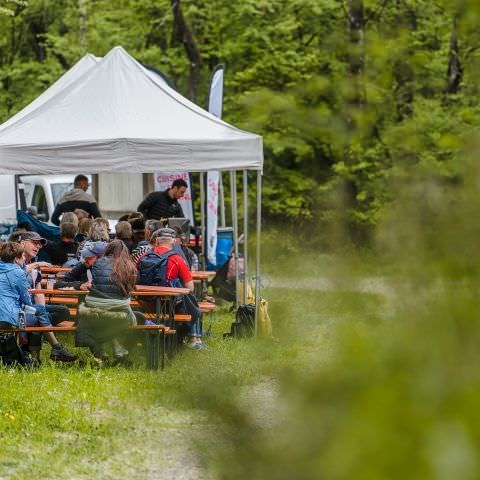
66, 248
181, 246
84, 225
146, 245
123, 232
138, 230
99, 232
165, 267
113, 277
69, 217
78, 277
81, 213
32, 242
14, 296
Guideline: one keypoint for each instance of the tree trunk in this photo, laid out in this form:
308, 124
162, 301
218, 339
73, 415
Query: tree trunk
403, 72
454, 71
356, 25
191, 49
82, 20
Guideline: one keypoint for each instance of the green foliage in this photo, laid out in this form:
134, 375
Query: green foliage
332, 137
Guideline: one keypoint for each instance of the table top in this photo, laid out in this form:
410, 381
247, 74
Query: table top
54, 269
150, 291
57, 291
202, 275
140, 291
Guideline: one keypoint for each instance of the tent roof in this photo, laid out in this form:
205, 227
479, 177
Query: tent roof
117, 116
82, 66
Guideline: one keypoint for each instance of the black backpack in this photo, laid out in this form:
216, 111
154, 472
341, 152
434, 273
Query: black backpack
244, 324
153, 269
10, 352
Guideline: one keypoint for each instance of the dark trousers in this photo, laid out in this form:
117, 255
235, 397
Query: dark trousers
58, 314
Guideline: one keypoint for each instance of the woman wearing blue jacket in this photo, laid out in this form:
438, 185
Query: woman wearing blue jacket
14, 296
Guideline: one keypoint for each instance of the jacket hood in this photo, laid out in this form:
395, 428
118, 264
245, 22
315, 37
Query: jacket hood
7, 267
77, 195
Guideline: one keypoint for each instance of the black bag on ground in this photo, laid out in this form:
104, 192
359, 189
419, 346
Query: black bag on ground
10, 352
244, 325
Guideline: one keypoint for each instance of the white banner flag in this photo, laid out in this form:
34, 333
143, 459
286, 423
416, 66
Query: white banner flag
164, 180
215, 102
212, 216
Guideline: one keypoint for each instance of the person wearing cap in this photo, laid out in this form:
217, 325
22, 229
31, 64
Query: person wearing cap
32, 242
77, 278
177, 274
78, 198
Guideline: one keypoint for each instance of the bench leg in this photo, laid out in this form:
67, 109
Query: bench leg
162, 348
153, 347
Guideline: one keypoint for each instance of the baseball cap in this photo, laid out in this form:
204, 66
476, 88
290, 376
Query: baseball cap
93, 249
33, 236
166, 232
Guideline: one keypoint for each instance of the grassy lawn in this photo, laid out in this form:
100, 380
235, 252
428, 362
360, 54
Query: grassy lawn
82, 422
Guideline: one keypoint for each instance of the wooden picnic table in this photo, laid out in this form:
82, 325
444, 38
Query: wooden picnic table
202, 274
55, 269
159, 295
57, 291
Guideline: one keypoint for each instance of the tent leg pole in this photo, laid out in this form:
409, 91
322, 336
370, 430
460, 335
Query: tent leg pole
222, 199
257, 259
233, 189
202, 218
245, 235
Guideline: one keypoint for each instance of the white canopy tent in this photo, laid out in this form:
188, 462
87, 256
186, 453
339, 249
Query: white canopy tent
114, 115
118, 117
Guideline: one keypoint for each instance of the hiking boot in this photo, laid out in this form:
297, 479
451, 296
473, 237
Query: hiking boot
61, 354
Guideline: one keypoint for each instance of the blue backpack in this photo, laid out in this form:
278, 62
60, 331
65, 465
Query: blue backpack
153, 270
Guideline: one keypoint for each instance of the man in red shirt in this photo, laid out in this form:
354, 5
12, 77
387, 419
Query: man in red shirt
165, 267
177, 268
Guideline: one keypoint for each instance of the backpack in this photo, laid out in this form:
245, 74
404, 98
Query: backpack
10, 352
153, 269
244, 325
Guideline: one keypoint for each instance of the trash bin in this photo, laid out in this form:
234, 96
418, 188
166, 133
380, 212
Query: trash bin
224, 247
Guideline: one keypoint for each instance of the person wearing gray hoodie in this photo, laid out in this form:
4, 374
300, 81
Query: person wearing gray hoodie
76, 198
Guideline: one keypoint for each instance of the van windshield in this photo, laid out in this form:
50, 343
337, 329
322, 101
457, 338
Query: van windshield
58, 189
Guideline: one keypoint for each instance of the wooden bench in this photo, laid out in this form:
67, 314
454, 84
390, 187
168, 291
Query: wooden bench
155, 339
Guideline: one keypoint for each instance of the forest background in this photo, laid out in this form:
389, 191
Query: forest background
354, 98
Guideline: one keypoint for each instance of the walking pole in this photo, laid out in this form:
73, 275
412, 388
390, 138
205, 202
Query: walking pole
233, 190
222, 200
245, 235
202, 217
259, 231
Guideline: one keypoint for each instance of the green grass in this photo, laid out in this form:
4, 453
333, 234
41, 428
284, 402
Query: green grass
81, 422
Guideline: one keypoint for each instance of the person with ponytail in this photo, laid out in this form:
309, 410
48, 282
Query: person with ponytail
113, 277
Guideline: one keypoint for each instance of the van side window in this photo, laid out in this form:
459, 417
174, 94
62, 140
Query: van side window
39, 200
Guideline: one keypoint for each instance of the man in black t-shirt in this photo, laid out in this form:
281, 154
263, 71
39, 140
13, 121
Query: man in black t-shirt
165, 204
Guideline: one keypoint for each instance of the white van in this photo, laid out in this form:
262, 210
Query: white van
41, 191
